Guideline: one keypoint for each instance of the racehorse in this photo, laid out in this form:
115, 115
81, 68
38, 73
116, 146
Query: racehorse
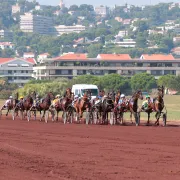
156, 106
133, 106
107, 105
28, 102
82, 105
11, 104
44, 105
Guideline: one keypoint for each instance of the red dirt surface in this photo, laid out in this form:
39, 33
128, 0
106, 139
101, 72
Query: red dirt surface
39, 151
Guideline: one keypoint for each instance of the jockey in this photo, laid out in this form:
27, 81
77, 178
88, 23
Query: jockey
7, 102
146, 103
21, 99
76, 97
68, 93
36, 101
122, 99
55, 100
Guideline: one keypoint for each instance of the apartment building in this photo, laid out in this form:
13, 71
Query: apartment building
71, 65
62, 29
17, 70
102, 10
35, 24
5, 34
17, 9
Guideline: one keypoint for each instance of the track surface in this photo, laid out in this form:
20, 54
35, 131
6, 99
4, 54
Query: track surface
39, 151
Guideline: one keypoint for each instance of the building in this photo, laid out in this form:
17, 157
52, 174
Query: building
102, 11
176, 39
71, 65
126, 43
17, 70
42, 57
176, 51
62, 29
6, 45
5, 34
28, 55
17, 9
123, 33
35, 24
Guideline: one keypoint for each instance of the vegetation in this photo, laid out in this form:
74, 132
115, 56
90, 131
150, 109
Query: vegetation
104, 27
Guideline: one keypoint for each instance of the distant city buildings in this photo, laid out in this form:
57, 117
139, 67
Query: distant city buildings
102, 10
62, 29
35, 24
6, 45
5, 34
17, 9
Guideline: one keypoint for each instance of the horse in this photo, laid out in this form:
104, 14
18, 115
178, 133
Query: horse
28, 103
10, 105
107, 105
82, 105
44, 105
132, 106
156, 106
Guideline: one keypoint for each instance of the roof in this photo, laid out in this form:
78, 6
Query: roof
72, 57
4, 60
30, 60
6, 44
28, 53
114, 57
175, 49
157, 57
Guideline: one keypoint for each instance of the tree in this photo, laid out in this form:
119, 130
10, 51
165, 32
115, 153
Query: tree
143, 81
141, 40
166, 80
94, 50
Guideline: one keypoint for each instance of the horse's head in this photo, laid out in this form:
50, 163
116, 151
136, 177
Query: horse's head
50, 96
160, 92
138, 95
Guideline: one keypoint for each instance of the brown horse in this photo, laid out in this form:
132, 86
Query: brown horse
82, 105
156, 106
132, 106
45, 105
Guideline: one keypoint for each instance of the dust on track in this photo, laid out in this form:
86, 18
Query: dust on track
37, 151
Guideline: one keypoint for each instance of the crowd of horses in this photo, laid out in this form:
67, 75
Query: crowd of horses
96, 110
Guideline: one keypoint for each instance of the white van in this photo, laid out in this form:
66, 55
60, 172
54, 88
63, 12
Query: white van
79, 89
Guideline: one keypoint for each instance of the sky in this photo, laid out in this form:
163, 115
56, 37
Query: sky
110, 3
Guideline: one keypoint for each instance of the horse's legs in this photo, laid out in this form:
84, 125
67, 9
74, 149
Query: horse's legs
148, 118
57, 113
7, 112
158, 114
131, 117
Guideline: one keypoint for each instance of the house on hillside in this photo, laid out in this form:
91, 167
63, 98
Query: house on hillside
17, 70
42, 57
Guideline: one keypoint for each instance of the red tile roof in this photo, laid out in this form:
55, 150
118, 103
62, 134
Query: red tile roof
72, 57
31, 60
4, 60
114, 57
157, 57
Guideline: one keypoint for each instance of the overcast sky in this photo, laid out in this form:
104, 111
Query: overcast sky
104, 2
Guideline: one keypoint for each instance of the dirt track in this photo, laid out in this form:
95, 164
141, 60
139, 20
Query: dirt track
39, 151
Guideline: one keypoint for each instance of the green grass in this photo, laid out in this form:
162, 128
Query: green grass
172, 104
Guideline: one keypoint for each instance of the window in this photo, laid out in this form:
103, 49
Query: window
9, 72
22, 71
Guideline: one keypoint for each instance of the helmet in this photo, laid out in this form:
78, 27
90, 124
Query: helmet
21, 97
76, 96
10, 97
148, 96
122, 96
57, 96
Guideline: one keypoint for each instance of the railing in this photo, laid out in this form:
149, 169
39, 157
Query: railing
102, 68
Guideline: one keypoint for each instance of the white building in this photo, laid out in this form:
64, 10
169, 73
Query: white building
35, 24
102, 10
62, 29
16, 9
122, 33
17, 70
28, 55
43, 56
126, 43
6, 45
